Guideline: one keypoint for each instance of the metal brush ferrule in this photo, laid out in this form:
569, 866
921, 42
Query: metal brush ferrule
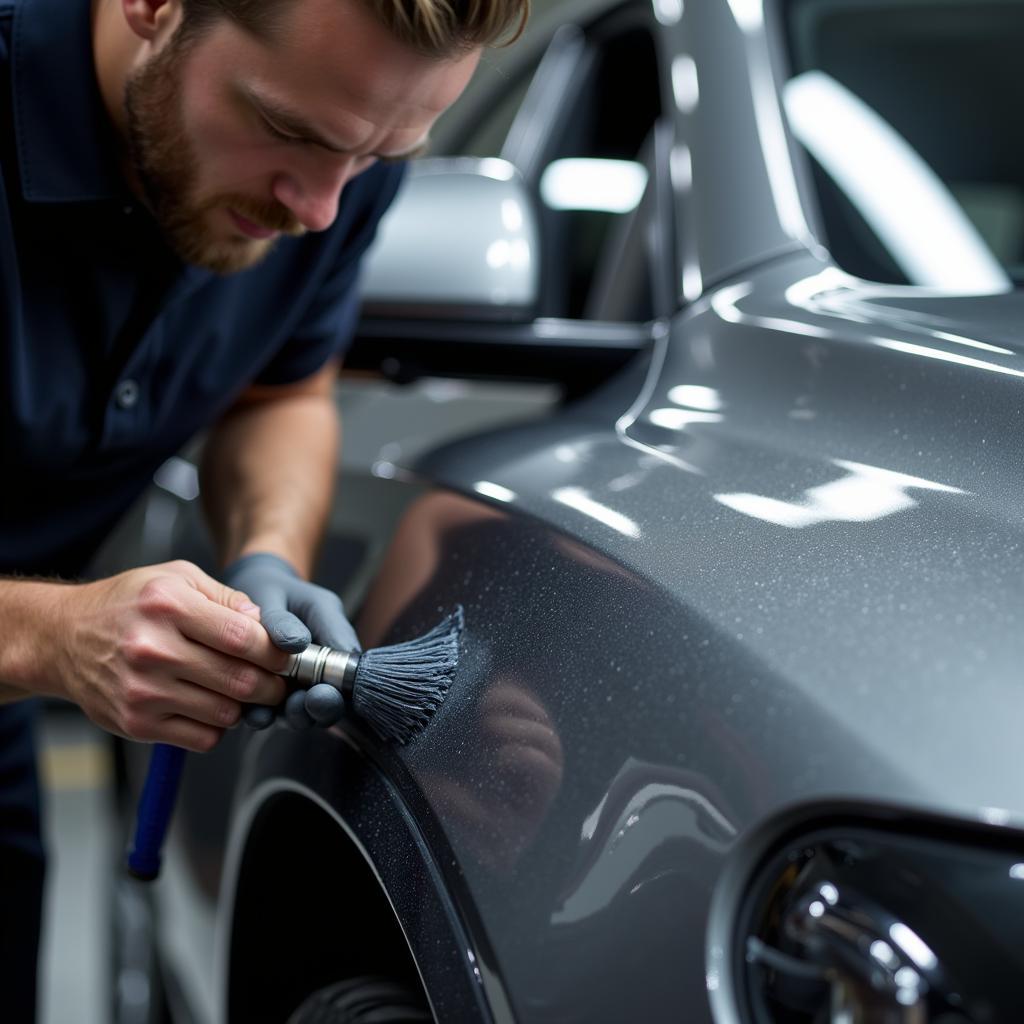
318, 664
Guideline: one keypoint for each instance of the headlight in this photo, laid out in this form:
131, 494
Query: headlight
859, 924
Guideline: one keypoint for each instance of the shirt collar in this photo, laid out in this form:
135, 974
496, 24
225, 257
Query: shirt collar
66, 143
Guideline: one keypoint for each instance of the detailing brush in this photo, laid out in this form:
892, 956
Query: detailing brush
395, 690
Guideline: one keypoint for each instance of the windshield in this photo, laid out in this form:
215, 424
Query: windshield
910, 112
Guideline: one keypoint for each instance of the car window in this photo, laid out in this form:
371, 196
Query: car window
591, 179
576, 116
478, 123
486, 136
909, 111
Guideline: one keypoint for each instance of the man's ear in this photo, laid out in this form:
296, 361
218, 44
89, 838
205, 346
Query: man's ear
151, 19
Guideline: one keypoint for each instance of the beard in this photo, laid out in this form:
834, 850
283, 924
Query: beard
166, 163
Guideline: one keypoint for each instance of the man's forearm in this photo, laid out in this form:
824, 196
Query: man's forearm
29, 611
268, 474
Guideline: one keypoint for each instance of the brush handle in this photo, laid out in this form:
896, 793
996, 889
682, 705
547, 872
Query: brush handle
155, 808
318, 664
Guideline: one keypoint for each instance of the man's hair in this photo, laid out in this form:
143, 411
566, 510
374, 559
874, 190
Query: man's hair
436, 28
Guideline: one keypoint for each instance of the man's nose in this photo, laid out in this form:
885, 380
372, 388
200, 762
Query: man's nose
312, 195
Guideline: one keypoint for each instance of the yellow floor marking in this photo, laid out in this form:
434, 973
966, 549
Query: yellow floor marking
75, 766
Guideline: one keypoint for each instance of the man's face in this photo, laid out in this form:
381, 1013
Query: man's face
237, 141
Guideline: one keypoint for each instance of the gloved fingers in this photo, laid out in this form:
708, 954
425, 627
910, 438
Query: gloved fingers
286, 629
324, 704
323, 613
261, 591
330, 628
292, 610
295, 713
259, 716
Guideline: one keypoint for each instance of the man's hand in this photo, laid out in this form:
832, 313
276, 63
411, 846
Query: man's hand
162, 653
293, 611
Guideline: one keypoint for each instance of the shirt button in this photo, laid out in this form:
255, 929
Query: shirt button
127, 209
126, 394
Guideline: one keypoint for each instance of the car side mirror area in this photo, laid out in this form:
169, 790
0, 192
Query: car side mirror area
451, 285
460, 242
452, 288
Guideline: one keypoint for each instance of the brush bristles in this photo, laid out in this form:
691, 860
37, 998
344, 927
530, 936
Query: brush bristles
398, 688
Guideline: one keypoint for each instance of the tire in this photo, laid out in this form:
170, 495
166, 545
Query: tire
363, 1000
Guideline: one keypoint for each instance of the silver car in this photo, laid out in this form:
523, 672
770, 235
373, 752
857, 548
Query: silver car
721, 299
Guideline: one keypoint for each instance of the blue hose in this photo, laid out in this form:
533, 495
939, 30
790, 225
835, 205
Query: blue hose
155, 808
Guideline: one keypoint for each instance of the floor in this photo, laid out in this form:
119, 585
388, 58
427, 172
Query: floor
76, 772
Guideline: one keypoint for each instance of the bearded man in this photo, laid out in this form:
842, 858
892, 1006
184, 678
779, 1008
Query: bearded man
186, 189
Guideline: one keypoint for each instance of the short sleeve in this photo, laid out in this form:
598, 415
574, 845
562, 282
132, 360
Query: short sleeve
326, 326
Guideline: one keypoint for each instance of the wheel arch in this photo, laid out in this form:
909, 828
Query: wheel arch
308, 910
326, 880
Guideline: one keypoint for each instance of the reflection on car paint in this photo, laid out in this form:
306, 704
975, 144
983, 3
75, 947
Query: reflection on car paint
865, 494
947, 357
616, 855
577, 498
685, 83
495, 491
680, 419
725, 302
696, 396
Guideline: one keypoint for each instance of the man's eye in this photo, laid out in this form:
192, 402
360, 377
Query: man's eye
277, 134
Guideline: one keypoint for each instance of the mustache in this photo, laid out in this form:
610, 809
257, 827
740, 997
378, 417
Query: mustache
264, 213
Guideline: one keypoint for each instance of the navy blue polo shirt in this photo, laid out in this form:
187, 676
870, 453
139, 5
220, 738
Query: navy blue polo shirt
112, 352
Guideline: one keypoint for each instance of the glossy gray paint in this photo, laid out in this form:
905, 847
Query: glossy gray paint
704, 668
890, 604
703, 665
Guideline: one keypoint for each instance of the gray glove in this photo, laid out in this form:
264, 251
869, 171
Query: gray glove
293, 611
